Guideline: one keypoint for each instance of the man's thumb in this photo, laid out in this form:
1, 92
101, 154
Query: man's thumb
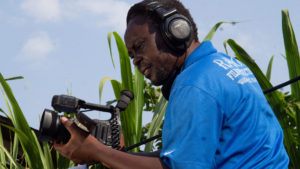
67, 123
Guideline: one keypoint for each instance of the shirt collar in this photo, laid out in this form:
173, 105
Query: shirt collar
205, 48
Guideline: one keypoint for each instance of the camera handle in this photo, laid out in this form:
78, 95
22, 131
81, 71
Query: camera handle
84, 122
115, 129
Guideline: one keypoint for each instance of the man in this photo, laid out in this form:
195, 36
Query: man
217, 115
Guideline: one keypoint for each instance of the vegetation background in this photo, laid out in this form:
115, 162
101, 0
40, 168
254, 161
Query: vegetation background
285, 105
60, 46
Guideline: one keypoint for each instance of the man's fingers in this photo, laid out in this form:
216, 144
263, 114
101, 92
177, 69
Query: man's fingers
68, 124
57, 146
66, 121
60, 148
71, 127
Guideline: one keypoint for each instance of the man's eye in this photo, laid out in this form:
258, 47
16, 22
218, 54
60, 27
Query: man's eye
139, 46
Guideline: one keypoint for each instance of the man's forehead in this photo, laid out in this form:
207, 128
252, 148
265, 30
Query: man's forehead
139, 20
136, 26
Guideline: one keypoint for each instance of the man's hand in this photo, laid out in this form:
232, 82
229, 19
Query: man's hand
80, 146
84, 148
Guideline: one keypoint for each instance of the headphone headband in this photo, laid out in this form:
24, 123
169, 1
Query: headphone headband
157, 8
175, 28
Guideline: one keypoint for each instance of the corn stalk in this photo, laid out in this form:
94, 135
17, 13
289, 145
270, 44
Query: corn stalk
285, 107
36, 155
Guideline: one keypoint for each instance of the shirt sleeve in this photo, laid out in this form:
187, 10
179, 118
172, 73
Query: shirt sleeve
191, 130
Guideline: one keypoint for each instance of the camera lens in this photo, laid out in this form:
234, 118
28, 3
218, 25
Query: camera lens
51, 128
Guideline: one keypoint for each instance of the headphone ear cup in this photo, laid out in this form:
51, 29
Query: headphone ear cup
177, 32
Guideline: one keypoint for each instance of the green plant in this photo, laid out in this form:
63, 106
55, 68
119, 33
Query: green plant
285, 106
36, 155
6, 158
131, 118
146, 98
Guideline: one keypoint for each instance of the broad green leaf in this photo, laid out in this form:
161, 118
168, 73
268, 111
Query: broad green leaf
128, 117
22, 136
213, 30
14, 78
297, 108
126, 73
2, 155
275, 99
101, 85
269, 70
30, 148
244, 57
117, 87
225, 46
44, 153
4, 112
10, 116
293, 61
4, 151
15, 145
47, 158
15, 148
276, 102
62, 162
292, 52
139, 100
157, 121
110, 48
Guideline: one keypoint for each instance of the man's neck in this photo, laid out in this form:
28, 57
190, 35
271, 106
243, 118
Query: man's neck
166, 88
192, 47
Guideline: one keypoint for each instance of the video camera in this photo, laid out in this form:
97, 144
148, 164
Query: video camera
106, 131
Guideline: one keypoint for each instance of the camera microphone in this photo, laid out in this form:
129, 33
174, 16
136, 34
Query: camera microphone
124, 100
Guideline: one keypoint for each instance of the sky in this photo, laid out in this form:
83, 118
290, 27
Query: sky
60, 46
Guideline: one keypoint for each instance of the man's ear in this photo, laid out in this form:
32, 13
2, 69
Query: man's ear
162, 46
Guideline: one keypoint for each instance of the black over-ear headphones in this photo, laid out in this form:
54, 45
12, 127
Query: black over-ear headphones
176, 29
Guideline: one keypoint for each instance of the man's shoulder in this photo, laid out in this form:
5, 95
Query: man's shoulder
206, 72
220, 76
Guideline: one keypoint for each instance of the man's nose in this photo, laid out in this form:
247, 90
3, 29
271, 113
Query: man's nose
137, 60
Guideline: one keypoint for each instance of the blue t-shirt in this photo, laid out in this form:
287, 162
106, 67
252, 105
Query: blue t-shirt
218, 117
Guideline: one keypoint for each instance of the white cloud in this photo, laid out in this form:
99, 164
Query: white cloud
37, 47
42, 10
108, 12
113, 11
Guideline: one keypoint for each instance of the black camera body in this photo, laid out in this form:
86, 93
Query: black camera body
107, 132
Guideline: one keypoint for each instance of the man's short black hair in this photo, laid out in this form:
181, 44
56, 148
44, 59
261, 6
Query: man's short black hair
139, 9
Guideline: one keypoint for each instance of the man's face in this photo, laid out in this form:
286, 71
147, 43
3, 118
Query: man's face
144, 44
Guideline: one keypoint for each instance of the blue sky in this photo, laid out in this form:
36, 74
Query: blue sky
61, 45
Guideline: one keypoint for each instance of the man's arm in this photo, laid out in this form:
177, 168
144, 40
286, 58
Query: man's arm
83, 148
147, 154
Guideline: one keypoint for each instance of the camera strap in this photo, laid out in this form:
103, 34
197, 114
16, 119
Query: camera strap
141, 143
282, 85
